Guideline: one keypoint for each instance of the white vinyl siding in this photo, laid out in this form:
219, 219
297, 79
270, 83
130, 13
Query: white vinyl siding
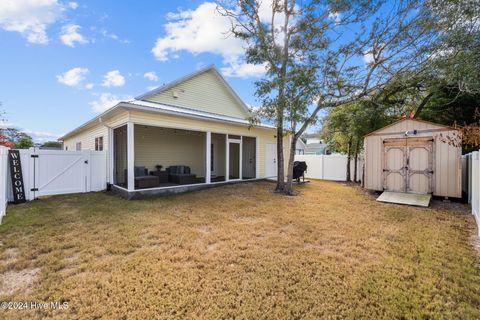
205, 92
169, 147
87, 138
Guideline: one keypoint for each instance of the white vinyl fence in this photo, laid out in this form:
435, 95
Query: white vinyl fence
471, 183
3, 180
51, 172
329, 167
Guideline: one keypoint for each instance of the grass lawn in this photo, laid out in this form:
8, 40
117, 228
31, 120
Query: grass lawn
240, 252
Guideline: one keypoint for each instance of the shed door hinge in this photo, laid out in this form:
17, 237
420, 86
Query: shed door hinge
34, 156
34, 189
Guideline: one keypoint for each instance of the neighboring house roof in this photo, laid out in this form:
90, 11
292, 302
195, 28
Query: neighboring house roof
313, 140
300, 144
137, 104
314, 147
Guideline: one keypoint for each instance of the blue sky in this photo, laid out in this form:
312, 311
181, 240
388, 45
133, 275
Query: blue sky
62, 62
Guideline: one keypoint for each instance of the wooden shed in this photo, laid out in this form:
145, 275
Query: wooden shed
413, 156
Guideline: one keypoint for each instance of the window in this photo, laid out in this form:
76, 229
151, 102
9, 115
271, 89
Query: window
78, 146
99, 144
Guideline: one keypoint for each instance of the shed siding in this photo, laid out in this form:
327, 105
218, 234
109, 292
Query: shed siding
447, 158
204, 92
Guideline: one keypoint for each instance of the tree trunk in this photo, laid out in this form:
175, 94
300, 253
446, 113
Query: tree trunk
422, 105
349, 157
280, 161
291, 158
355, 164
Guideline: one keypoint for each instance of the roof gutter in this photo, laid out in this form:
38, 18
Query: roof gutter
98, 118
134, 106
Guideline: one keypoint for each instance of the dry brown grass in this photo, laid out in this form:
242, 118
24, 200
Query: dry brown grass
241, 252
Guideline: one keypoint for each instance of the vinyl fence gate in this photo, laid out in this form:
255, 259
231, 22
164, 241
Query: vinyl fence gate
51, 172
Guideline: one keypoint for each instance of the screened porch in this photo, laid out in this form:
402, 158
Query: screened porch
152, 157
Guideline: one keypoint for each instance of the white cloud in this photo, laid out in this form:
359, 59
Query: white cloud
89, 86
73, 77
205, 30
253, 107
113, 36
30, 18
368, 58
150, 88
113, 79
106, 101
335, 16
151, 75
37, 136
69, 35
73, 5
244, 70
197, 31
4, 124
41, 136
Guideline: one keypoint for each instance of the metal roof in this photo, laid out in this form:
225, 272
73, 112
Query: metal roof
168, 109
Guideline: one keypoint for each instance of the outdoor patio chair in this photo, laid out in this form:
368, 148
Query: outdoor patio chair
181, 175
143, 179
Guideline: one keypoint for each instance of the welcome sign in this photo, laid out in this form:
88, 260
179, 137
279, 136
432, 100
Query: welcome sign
17, 178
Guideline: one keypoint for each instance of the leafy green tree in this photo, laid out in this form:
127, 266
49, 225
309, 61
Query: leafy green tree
344, 127
24, 141
312, 56
52, 144
450, 78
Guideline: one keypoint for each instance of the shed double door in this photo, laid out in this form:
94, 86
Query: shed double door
408, 165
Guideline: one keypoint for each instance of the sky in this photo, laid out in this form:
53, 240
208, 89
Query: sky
63, 62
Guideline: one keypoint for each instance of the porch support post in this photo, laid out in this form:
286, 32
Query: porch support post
227, 159
130, 156
208, 159
240, 173
257, 158
110, 157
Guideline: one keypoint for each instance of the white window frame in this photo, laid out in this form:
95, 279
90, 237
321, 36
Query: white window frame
97, 143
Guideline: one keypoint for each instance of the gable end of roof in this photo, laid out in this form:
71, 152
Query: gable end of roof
212, 68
